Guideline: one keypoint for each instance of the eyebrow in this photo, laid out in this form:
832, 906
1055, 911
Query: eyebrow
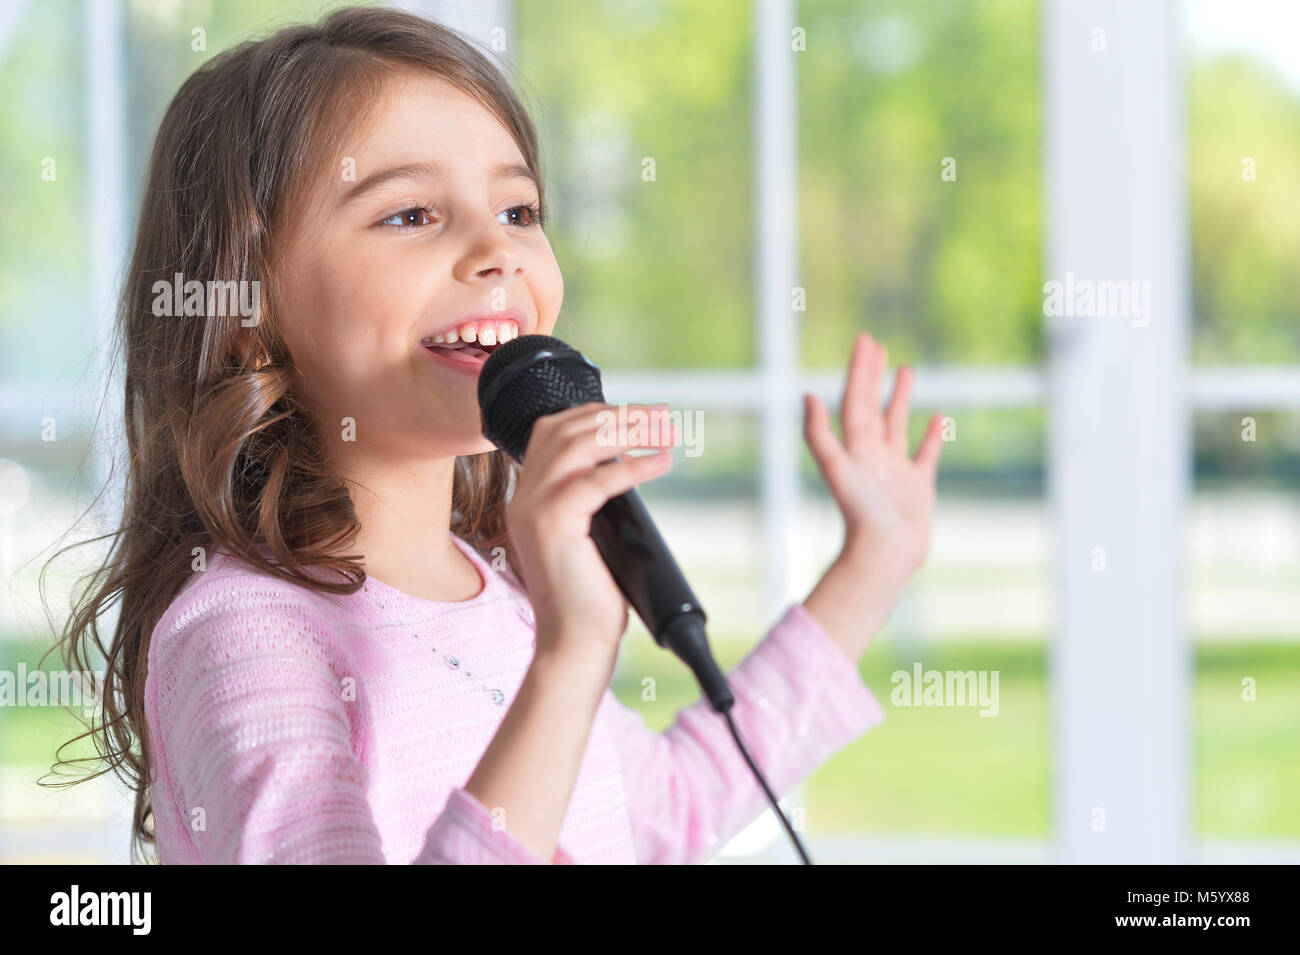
428, 170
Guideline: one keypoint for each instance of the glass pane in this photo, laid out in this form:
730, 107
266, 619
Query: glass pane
981, 605
919, 179
1243, 130
1243, 140
1244, 570
643, 112
44, 250
47, 333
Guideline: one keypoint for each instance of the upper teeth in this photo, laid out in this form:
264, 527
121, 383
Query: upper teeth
485, 333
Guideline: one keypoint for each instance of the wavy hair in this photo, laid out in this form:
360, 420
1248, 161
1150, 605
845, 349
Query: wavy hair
222, 455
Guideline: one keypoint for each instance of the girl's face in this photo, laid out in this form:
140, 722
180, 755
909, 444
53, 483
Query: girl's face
388, 255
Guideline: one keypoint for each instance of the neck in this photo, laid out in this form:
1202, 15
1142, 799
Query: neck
405, 514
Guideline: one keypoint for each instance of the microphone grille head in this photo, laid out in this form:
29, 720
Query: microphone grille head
526, 378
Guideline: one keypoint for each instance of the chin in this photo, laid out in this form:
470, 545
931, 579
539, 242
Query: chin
480, 446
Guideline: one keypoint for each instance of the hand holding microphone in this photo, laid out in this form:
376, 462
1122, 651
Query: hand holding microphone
521, 384
568, 477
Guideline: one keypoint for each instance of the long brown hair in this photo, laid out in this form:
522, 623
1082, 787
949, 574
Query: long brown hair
222, 455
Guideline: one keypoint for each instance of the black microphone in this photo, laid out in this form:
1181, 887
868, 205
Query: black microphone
536, 375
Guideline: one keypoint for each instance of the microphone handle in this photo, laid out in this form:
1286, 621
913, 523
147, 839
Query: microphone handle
646, 573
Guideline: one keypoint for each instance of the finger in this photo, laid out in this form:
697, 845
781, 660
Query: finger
588, 490
583, 425
584, 448
599, 451
825, 446
896, 415
541, 445
557, 420
861, 409
597, 414
611, 423
927, 455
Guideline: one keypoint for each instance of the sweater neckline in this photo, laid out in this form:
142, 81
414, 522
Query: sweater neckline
389, 593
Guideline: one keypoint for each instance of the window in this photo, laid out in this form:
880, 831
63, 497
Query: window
736, 189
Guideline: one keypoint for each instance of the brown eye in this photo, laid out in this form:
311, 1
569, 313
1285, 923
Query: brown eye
409, 218
531, 214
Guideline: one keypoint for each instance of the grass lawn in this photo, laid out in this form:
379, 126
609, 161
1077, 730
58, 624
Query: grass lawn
948, 770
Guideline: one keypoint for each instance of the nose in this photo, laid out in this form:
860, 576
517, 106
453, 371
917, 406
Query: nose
490, 253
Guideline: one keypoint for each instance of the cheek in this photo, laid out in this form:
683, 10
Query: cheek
344, 315
548, 293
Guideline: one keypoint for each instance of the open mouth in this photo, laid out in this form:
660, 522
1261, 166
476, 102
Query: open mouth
469, 356
464, 347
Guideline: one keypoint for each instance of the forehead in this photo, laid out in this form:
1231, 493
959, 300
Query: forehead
420, 117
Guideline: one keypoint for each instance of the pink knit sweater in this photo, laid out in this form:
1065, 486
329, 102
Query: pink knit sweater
295, 727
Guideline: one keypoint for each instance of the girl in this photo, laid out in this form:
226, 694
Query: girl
321, 653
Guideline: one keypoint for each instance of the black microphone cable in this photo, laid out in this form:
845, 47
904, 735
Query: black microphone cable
684, 635
803, 854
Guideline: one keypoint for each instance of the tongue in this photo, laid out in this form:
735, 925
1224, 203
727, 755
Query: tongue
472, 347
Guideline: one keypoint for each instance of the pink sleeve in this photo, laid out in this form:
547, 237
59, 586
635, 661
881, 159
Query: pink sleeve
464, 834
252, 726
799, 699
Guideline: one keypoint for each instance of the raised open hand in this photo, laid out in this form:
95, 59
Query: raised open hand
887, 498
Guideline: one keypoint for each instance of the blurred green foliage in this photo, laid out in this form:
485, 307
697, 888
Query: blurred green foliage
945, 271
1245, 234
645, 113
